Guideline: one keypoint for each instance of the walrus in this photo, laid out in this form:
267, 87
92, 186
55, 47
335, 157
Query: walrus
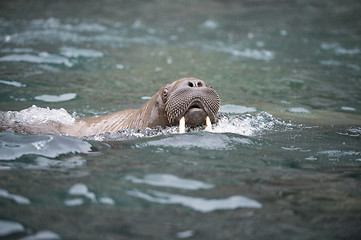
185, 102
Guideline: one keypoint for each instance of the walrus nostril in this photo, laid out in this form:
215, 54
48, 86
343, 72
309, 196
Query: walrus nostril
195, 84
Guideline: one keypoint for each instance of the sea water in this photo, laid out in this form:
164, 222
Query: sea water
283, 160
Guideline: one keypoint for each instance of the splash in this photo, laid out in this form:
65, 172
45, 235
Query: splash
249, 125
36, 114
245, 125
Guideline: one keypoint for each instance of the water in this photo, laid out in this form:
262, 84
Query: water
282, 162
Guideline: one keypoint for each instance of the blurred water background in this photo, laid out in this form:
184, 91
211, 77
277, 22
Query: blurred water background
283, 161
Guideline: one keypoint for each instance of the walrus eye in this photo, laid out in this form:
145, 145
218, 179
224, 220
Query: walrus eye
165, 92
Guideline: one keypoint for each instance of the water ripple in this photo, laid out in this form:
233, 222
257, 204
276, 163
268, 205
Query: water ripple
197, 204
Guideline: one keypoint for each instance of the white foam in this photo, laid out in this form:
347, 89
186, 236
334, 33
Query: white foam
56, 98
197, 204
82, 189
254, 53
72, 52
73, 202
9, 227
36, 114
350, 109
17, 198
146, 98
13, 83
298, 110
119, 66
339, 153
210, 24
43, 57
106, 200
168, 180
248, 125
42, 235
185, 234
340, 50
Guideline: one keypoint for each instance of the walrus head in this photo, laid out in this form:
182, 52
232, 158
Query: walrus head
190, 98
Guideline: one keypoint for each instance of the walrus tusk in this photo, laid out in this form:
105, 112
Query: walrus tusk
182, 125
208, 125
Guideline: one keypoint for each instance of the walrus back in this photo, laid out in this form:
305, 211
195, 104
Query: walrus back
126, 119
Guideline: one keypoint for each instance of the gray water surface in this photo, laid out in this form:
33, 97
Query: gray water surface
283, 161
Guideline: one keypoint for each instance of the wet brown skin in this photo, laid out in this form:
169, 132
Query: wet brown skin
188, 97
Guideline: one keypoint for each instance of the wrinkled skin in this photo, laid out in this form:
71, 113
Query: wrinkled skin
190, 98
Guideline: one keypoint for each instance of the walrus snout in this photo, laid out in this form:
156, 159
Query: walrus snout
194, 100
